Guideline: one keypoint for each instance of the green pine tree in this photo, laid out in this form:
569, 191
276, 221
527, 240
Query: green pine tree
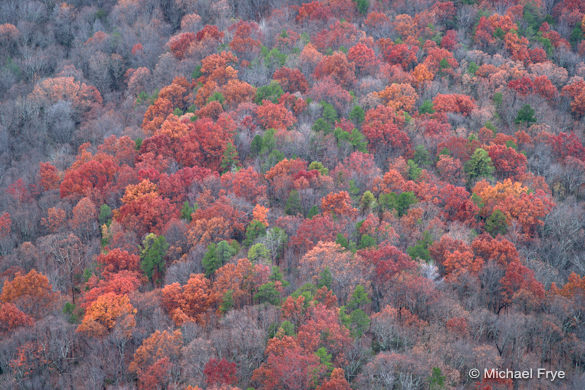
230, 158
293, 203
496, 223
479, 166
154, 250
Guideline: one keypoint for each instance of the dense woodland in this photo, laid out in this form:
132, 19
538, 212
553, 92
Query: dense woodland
333, 195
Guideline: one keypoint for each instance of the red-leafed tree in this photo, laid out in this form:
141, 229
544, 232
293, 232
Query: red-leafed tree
220, 372
458, 204
311, 231
348, 270
567, 144
291, 80
388, 261
245, 183
5, 224
520, 285
330, 91
84, 219
507, 161
458, 103
243, 43
450, 169
382, 135
322, 328
11, 318
363, 57
179, 44
117, 260
401, 54
49, 176
281, 176
287, 366
337, 67
338, 34
274, 116
576, 91
90, 175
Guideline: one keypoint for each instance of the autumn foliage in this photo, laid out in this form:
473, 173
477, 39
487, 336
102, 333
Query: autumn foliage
322, 195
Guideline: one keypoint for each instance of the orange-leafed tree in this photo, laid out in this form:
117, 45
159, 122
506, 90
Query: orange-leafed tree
153, 360
399, 96
121, 283
55, 219
240, 280
82, 96
575, 286
190, 302
517, 202
338, 204
236, 92
458, 262
260, 213
336, 381
497, 249
170, 97
422, 74
107, 312
143, 210
32, 293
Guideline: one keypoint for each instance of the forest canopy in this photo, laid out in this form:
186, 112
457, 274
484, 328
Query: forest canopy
327, 195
